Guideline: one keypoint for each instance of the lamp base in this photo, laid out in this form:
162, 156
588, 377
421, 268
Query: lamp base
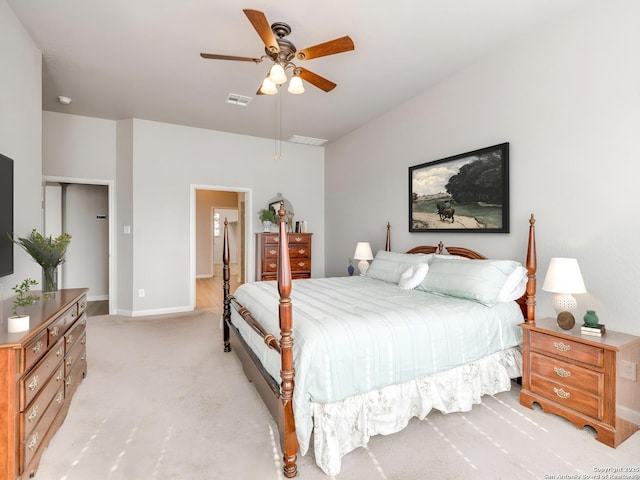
363, 266
564, 302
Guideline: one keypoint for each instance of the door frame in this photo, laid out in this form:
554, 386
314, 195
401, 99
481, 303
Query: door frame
249, 260
113, 301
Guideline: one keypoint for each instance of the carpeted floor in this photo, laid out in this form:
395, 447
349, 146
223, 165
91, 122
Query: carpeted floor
162, 401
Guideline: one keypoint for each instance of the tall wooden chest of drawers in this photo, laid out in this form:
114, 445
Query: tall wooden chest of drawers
40, 370
587, 380
267, 255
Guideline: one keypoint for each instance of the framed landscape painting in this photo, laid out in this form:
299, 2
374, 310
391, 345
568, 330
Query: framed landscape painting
468, 192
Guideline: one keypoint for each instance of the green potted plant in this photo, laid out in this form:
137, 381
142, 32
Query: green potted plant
17, 322
48, 252
267, 217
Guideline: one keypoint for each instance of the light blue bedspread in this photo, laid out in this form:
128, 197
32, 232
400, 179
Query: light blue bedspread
356, 334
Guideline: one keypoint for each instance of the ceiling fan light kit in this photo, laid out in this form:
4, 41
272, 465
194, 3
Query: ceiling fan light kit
281, 51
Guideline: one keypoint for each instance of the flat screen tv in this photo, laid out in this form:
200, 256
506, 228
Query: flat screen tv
6, 215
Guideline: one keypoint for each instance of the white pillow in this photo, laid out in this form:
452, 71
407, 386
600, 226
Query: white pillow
515, 285
413, 276
388, 266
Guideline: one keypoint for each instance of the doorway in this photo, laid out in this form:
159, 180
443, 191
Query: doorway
211, 206
84, 208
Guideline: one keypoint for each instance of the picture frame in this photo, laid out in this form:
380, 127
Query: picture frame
466, 193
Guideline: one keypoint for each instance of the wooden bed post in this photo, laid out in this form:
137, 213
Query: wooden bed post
288, 434
226, 315
532, 265
387, 246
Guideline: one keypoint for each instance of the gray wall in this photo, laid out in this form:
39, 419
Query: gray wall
21, 135
157, 168
567, 100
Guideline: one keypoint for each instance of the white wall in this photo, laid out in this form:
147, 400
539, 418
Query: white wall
567, 101
21, 135
168, 159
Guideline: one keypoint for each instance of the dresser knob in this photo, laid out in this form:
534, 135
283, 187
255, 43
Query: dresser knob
34, 382
561, 393
34, 442
561, 372
561, 347
34, 414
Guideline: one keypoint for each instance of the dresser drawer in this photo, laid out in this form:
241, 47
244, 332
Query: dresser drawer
570, 397
567, 348
567, 373
35, 410
300, 265
35, 350
77, 373
78, 354
300, 250
33, 441
58, 328
38, 377
75, 333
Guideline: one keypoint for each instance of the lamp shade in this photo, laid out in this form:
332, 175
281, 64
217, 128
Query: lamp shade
268, 87
563, 276
277, 75
363, 251
295, 85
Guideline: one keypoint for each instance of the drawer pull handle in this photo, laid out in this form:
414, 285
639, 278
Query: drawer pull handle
83, 341
69, 381
60, 352
302, 251
272, 265
34, 382
273, 252
34, 442
59, 398
561, 393
70, 339
37, 347
561, 372
54, 332
298, 239
561, 347
69, 361
34, 414
60, 376
301, 264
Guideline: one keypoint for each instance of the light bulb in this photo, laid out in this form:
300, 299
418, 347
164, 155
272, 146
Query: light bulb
296, 86
276, 74
268, 87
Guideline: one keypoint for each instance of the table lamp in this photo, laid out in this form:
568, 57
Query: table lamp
564, 279
363, 253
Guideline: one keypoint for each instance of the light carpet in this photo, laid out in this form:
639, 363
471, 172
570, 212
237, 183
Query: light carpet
162, 401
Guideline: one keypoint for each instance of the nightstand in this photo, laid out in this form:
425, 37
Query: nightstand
587, 380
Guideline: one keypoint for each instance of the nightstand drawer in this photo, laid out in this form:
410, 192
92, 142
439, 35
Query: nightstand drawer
570, 397
567, 373
568, 349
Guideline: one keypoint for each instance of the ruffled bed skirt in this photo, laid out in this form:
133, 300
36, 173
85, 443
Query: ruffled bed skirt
340, 427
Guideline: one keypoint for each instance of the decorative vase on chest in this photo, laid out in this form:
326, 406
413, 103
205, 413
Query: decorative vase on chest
590, 318
49, 279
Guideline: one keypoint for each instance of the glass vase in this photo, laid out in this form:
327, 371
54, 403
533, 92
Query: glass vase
49, 279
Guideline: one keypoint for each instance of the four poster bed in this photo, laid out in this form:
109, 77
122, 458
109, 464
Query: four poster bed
420, 330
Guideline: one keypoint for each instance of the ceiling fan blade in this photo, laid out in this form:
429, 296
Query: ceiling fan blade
315, 79
214, 56
339, 45
261, 25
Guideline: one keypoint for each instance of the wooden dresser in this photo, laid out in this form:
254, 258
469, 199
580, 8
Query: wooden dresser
267, 255
588, 380
39, 371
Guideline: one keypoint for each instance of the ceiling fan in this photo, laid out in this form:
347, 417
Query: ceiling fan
282, 52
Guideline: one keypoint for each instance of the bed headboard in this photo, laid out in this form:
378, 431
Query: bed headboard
527, 302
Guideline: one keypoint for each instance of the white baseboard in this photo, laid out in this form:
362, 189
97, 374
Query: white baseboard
97, 298
155, 311
205, 275
629, 414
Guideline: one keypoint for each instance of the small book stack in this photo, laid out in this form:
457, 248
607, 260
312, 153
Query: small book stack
596, 331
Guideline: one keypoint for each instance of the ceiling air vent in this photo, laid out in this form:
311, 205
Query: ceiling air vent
235, 99
307, 140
